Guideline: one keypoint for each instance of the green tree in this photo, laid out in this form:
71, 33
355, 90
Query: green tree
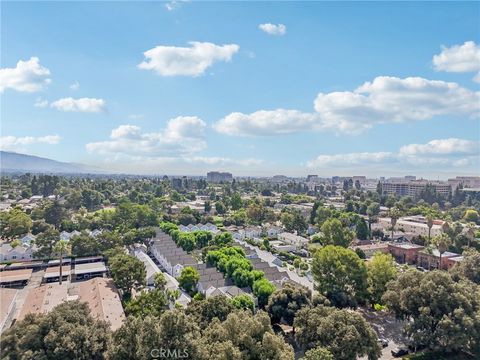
204, 311
318, 353
293, 220
137, 337
15, 223
284, 303
471, 215
468, 268
243, 302
361, 229
202, 238
440, 313
340, 275
262, 289
333, 232
45, 242
187, 241
66, 332
236, 201
127, 272
54, 214
220, 208
159, 281
243, 336
222, 239
188, 279
381, 270
147, 303
345, 334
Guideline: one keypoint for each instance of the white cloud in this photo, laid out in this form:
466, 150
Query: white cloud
89, 105
14, 143
186, 61
27, 76
391, 99
174, 4
441, 152
41, 103
384, 100
450, 146
459, 59
267, 122
75, 86
183, 135
273, 29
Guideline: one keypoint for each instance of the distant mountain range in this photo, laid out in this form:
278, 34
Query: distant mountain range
13, 162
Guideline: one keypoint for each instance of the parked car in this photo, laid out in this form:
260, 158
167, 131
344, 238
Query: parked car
399, 351
383, 342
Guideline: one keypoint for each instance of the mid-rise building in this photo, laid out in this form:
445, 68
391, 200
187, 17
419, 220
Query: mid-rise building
465, 181
413, 188
217, 177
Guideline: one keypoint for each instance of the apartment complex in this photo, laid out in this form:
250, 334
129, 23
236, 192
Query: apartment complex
470, 182
412, 225
217, 177
412, 188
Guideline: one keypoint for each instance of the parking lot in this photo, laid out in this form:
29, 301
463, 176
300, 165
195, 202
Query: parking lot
386, 327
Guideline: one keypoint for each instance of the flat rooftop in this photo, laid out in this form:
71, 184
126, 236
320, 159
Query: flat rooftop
54, 271
8, 276
90, 268
406, 246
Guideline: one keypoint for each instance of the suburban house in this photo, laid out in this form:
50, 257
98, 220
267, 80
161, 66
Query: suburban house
199, 227
210, 278
228, 291
280, 246
170, 257
293, 239
20, 252
273, 231
27, 239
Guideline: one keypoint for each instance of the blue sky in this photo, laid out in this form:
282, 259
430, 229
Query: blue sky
376, 89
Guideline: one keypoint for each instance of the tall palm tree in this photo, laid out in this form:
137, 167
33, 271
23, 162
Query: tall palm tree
429, 219
394, 214
442, 242
62, 248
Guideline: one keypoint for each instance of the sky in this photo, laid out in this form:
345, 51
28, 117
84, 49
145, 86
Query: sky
255, 88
